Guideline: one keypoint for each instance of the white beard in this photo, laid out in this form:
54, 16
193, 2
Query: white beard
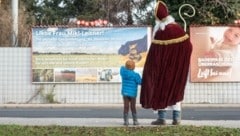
161, 24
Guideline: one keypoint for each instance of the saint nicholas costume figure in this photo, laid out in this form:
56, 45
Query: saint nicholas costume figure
166, 68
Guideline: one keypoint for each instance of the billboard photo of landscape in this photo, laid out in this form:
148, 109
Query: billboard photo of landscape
81, 53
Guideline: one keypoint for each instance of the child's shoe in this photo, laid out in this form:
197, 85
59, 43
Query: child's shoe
125, 119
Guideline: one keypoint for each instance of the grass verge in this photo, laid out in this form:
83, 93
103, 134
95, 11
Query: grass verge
17, 130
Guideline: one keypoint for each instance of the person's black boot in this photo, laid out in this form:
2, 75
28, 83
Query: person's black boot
176, 117
159, 122
161, 118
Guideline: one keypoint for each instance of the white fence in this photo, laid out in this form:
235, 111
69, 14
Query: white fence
16, 86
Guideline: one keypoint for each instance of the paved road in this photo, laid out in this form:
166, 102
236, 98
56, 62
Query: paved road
224, 116
188, 113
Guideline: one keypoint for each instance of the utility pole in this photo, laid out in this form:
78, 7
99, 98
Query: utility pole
15, 23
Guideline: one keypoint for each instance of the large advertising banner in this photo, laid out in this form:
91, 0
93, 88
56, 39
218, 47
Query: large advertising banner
216, 54
86, 55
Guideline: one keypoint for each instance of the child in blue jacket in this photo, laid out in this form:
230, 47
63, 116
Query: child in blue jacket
130, 82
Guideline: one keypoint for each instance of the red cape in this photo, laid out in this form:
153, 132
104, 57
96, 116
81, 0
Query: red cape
166, 69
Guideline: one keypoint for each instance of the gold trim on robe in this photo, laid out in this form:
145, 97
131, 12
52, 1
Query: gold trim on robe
171, 41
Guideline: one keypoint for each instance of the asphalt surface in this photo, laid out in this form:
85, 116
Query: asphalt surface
111, 115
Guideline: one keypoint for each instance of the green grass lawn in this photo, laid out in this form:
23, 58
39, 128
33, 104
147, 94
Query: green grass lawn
16, 130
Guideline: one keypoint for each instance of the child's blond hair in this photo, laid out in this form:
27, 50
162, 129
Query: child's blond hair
130, 64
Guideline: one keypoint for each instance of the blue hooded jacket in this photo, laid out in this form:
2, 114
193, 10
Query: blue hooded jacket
130, 82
